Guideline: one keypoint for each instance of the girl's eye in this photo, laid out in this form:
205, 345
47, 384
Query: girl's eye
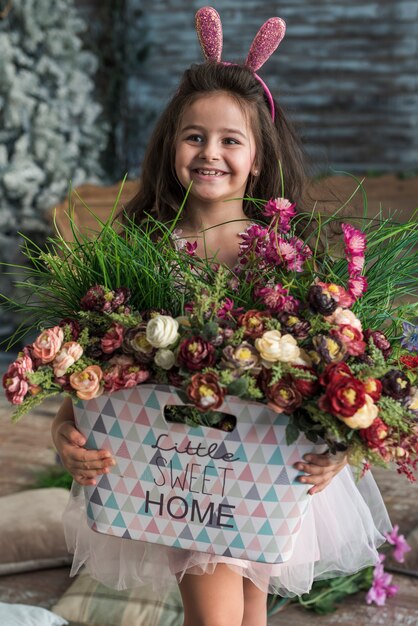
195, 138
231, 142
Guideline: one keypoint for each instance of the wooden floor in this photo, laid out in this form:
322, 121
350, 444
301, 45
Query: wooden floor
26, 449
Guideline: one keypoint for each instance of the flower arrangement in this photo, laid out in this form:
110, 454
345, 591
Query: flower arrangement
292, 326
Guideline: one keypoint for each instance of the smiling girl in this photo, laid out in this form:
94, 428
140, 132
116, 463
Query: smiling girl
223, 132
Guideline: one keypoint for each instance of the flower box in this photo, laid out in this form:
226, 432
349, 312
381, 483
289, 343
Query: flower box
231, 493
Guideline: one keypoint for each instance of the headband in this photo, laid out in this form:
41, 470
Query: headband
209, 32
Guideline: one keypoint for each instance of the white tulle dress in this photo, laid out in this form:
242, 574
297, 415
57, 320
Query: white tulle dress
340, 534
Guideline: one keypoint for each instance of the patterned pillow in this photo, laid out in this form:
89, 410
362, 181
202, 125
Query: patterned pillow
89, 602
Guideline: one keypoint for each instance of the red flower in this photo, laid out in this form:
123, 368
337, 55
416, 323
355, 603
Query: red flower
205, 392
373, 388
334, 369
410, 362
253, 322
283, 396
343, 396
374, 434
306, 387
196, 353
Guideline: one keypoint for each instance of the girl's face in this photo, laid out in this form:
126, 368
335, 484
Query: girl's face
215, 149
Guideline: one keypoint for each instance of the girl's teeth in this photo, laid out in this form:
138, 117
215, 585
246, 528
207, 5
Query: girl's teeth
209, 173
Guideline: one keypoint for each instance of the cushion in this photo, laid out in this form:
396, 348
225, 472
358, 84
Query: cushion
31, 531
26, 615
88, 601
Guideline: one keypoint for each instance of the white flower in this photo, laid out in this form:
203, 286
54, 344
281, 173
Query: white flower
273, 346
162, 331
364, 417
164, 358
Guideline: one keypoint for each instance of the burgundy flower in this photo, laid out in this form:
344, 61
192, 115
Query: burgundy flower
410, 362
396, 385
205, 391
196, 354
73, 325
295, 325
113, 339
94, 300
253, 323
15, 383
320, 301
373, 388
283, 396
379, 341
123, 373
121, 296
343, 396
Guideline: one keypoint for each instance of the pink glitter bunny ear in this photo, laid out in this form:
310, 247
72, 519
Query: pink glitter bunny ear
209, 31
265, 42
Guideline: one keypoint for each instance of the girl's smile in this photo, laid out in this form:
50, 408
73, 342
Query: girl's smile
215, 150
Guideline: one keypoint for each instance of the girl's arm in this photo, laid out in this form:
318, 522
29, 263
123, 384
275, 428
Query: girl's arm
320, 469
84, 465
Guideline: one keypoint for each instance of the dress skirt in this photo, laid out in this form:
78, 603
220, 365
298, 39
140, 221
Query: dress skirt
342, 529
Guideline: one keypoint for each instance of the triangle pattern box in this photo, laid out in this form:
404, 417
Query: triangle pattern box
231, 493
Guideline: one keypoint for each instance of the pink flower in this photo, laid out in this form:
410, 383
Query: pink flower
113, 339
227, 307
381, 588
282, 211
338, 293
70, 352
400, 543
190, 248
87, 383
15, 382
48, 344
357, 286
355, 264
354, 239
341, 316
351, 337
253, 239
277, 299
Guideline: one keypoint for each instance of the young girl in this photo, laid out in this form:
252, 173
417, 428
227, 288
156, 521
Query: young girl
223, 133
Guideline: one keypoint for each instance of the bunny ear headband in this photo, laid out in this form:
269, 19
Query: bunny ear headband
209, 32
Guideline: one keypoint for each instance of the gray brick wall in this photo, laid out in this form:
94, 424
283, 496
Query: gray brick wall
346, 72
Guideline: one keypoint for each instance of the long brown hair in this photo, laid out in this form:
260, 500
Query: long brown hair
161, 194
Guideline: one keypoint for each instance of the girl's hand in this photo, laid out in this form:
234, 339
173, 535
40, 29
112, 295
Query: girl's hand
84, 465
320, 469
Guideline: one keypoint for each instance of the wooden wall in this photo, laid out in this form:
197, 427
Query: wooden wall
346, 72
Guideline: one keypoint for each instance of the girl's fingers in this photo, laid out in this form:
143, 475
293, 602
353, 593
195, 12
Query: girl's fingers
95, 465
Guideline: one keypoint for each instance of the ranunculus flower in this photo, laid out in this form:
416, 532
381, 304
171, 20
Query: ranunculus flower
375, 433
343, 396
70, 352
94, 299
113, 338
241, 357
295, 325
396, 385
283, 396
330, 349
253, 323
338, 293
196, 353
342, 317
273, 347
334, 370
364, 417
351, 337
321, 301
162, 331
379, 340
306, 387
87, 383
124, 375
205, 391
373, 388
135, 341
15, 383
165, 358
47, 345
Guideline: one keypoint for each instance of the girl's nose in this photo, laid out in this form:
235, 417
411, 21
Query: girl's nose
209, 151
